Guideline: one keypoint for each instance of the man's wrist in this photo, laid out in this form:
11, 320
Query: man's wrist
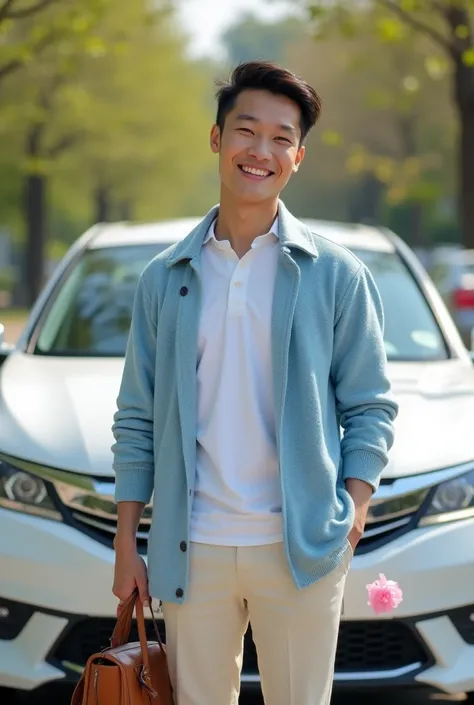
125, 542
360, 491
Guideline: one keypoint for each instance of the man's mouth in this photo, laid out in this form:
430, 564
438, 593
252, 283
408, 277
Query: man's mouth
254, 172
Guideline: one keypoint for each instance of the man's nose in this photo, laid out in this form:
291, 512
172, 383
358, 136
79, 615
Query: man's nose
261, 149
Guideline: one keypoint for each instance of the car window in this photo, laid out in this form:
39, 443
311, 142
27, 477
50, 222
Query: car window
411, 331
92, 310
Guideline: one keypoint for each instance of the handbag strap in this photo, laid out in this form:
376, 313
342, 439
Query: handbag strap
121, 633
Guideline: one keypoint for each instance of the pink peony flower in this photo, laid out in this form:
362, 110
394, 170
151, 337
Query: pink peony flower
384, 595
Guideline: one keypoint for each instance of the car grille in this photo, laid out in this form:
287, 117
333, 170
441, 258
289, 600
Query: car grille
95, 514
379, 532
103, 530
363, 646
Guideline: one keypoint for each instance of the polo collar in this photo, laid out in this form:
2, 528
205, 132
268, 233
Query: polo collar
291, 232
211, 233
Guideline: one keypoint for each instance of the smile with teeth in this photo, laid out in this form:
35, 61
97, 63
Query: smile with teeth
255, 172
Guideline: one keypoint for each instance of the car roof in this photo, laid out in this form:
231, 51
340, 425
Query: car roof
350, 235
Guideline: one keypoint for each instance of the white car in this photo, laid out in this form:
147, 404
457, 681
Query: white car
58, 389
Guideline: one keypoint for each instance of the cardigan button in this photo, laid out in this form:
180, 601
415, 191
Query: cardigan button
183, 291
183, 546
179, 592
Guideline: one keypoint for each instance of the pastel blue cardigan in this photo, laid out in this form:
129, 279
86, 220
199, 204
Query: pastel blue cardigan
328, 371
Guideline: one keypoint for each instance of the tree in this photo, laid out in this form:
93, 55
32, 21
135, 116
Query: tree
448, 26
27, 30
384, 142
115, 114
141, 158
30, 106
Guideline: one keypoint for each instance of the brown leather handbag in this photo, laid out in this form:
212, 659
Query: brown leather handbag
126, 673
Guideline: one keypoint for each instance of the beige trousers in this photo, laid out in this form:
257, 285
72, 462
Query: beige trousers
295, 631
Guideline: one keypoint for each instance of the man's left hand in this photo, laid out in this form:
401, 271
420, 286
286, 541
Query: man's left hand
361, 494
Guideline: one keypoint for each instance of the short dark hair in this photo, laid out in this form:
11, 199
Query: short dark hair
266, 76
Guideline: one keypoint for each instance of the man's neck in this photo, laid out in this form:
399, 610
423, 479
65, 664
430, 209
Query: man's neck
242, 223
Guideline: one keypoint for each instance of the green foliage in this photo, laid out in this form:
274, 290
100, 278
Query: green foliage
28, 30
111, 101
441, 35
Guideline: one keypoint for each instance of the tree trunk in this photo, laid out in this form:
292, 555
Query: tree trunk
35, 216
102, 205
466, 158
407, 130
457, 15
417, 235
365, 206
35, 202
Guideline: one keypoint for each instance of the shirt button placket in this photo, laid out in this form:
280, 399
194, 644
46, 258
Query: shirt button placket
238, 289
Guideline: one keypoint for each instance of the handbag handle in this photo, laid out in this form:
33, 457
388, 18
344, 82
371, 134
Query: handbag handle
121, 633
121, 636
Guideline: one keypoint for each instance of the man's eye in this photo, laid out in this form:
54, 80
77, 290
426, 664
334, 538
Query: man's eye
245, 129
284, 139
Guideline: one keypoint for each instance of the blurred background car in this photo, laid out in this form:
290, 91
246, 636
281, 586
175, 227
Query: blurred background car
452, 270
58, 517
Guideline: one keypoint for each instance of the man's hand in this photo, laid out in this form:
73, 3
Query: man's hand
361, 494
130, 573
130, 568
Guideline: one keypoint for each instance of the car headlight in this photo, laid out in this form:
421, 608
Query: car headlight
450, 500
26, 492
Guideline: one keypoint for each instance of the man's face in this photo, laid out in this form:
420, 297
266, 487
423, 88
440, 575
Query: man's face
259, 145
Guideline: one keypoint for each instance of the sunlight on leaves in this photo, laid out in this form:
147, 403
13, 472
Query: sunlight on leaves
95, 47
384, 169
411, 84
35, 167
331, 138
5, 27
379, 99
81, 24
390, 29
468, 57
396, 194
316, 12
358, 160
436, 67
462, 31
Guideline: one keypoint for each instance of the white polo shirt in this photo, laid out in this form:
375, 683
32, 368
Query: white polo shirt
237, 500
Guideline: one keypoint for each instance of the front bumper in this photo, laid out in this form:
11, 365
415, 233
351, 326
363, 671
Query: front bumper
56, 607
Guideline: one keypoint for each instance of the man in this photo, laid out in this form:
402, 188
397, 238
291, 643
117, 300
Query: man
253, 341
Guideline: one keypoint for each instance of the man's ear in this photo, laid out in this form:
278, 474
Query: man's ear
215, 139
299, 158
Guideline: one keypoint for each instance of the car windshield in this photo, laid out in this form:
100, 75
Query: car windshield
411, 331
91, 313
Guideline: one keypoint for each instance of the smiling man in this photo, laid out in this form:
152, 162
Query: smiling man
253, 341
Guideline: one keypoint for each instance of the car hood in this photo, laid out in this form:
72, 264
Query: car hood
58, 412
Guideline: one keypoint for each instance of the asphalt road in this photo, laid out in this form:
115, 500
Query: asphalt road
62, 697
